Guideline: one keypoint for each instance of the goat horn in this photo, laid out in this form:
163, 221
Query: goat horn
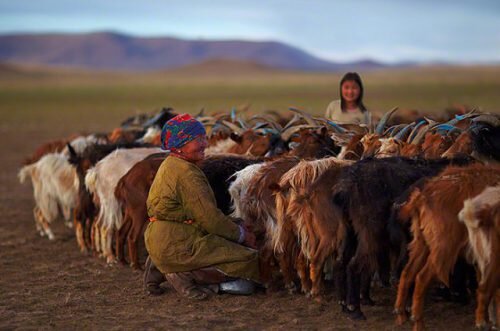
233, 114
243, 124
267, 130
390, 131
443, 127
488, 118
287, 134
422, 133
276, 125
260, 125
341, 139
261, 117
201, 112
268, 120
222, 117
401, 134
430, 120
380, 126
394, 130
294, 119
206, 119
305, 115
232, 126
455, 129
337, 128
458, 118
415, 129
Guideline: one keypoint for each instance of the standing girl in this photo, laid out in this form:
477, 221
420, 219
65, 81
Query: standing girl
350, 107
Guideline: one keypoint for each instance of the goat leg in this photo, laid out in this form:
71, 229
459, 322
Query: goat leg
418, 257
87, 231
353, 291
302, 269
365, 298
422, 281
486, 293
120, 237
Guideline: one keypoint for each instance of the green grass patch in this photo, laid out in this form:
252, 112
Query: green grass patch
99, 101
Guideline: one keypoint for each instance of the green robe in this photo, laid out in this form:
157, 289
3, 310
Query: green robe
180, 192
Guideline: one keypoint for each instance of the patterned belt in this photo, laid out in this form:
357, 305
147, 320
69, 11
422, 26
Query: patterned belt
154, 219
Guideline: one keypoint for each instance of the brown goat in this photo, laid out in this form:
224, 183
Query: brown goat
461, 146
123, 136
371, 144
410, 150
353, 150
250, 142
434, 145
313, 143
54, 146
481, 216
438, 236
319, 237
132, 192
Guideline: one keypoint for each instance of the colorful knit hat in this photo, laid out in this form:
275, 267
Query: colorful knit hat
180, 130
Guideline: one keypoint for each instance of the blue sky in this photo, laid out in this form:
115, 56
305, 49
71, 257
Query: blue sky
464, 31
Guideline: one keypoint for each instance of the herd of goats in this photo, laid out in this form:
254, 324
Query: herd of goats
409, 201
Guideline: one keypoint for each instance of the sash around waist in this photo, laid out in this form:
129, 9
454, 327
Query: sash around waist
154, 219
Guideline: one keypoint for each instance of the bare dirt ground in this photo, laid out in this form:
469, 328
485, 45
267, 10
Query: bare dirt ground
51, 285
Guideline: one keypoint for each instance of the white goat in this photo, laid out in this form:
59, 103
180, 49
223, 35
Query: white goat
55, 185
101, 181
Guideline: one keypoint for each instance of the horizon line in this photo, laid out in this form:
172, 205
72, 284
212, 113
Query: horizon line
366, 58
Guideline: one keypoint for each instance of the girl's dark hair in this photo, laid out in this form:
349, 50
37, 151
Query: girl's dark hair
354, 77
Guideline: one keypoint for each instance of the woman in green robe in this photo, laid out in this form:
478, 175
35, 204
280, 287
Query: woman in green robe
189, 240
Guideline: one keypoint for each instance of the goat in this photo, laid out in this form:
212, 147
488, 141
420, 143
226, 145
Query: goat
434, 145
78, 142
353, 149
120, 135
85, 210
373, 184
317, 240
55, 146
55, 186
438, 236
249, 141
371, 144
101, 181
131, 192
480, 140
481, 216
253, 201
313, 143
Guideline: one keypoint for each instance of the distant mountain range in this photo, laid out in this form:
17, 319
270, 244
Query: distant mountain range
113, 51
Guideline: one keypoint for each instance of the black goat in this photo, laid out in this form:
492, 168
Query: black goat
364, 194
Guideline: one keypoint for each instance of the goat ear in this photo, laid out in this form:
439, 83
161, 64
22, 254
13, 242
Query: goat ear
236, 137
71, 150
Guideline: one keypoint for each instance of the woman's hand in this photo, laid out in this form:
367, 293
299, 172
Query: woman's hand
249, 239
